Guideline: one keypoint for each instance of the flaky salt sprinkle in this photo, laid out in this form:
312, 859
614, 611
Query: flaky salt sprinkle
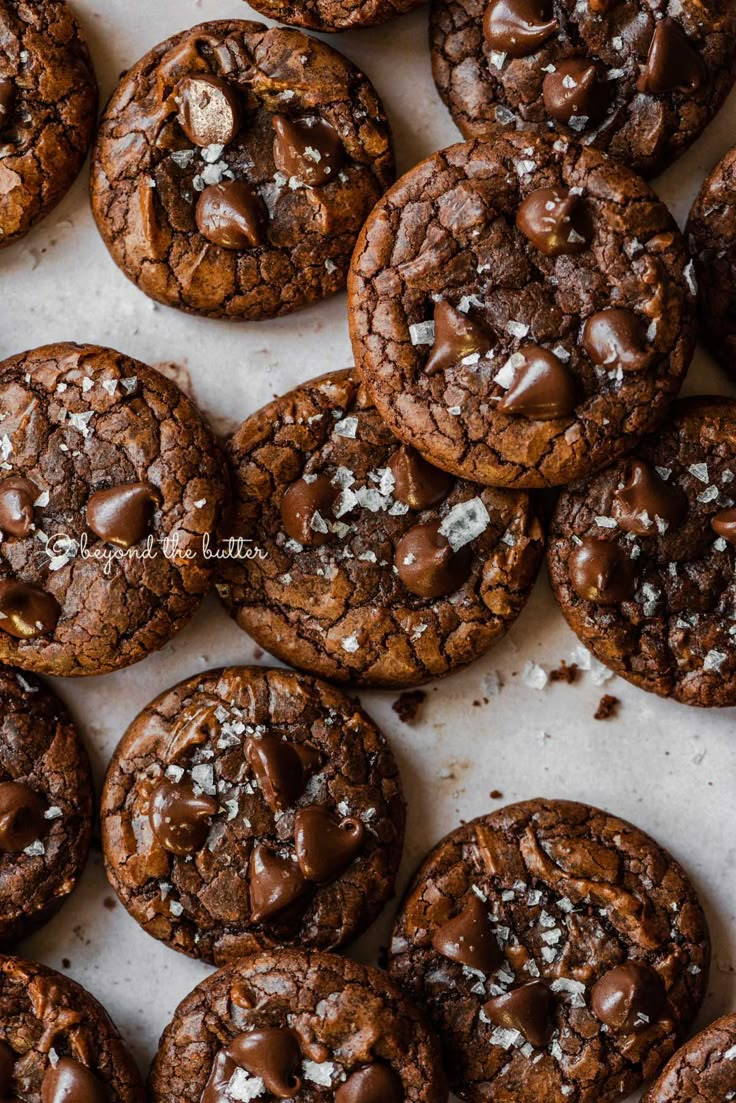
465, 521
422, 333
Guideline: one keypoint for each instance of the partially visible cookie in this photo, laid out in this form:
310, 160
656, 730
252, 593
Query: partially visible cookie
711, 233
57, 1043
248, 808
367, 564
521, 310
639, 79
48, 108
333, 15
111, 485
294, 1024
642, 558
45, 804
560, 952
234, 167
703, 1071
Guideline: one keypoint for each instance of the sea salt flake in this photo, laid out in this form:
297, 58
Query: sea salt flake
35, 850
605, 522
575, 989
708, 495
319, 1072
534, 676
242, 1087
176, 908
714, 660
350, 644
700, 471
517, 329
347, 427
465, 521
203, 775
53, 813
422, 333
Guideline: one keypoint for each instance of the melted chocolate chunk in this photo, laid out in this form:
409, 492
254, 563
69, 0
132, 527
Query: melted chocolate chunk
673, 64
724, 524
543, 388
22, 819
555, 221
527, 1009
180, 818
7, 102
519, 27
275, 883
577, 91
309, 149
209, 110
305, 509
71, 1082
274, 1055
468, 938
122, 515
231, 215
17, 496
375, 1083
417, 483
27, 612
628, 997
615, 339
646, 502
325, 845
602, 572
7, 1065
455, 336
279, 769
427, 564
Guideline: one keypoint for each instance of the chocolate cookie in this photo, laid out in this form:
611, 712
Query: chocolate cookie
639, 79
711, 233
333, 15
291, 1024
560, 953
111, 487
251, 807
703, 1071
642, 556
234, 167
45, 806
48, 108
521, 311
57, 1044
368, 564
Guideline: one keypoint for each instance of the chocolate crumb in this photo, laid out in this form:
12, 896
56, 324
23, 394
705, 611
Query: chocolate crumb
66, 963
406, 705
109, 903
564, 673
607, 707
496, 794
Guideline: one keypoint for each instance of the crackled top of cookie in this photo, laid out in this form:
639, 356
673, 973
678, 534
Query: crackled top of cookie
310, 1026
703, 1071
521, 311
234, 167
45, 803
110, 486
368, 564
711, 234
333, 15
639, 79
57, 1042
48, 107
251, 807
642, 558
561, 953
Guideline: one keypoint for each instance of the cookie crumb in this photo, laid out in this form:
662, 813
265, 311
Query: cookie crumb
406, 706
607, 707
496, 794
109, 903
564, 673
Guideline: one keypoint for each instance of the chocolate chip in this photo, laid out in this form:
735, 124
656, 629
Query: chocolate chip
646, 498
468, 938
275, 883
528, 1009
17, 496
21, 817
576, 92
209, 110
602, 572
555, 221
7, 1065
309, 149
68, 1081
325, 845
180, 818
427, 564
616, 339
278, 768
455, 336
27, 612
543, 388
122, 515
518, 27
231, 215
724, 524
273, 1054
305, 509
374, 1083
628, 997
417, 483
7, 102
673, 64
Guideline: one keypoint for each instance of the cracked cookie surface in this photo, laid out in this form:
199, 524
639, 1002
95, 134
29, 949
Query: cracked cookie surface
248, 808
57, 1041
334, 15
331, 1027
660, 609
45, 804
521, 311
711, 234
639, 79
110, 486
48, 108
171, 140
559, 951
703, 1071
334, 601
